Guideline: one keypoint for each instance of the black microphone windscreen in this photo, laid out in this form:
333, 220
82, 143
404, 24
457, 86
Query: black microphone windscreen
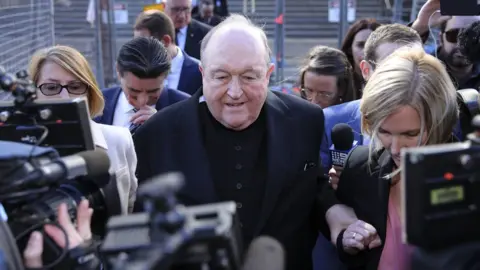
469, 42
264, 253
342, 137
97, 162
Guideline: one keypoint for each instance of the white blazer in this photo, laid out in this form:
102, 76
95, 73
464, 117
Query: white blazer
118, 143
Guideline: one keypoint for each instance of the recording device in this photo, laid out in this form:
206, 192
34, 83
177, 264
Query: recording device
170, 235
442, 183
460, 8
342, 143
264, 253
35, 180
61, 124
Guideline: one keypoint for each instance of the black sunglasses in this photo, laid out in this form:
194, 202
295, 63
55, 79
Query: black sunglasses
52, 89
452, 35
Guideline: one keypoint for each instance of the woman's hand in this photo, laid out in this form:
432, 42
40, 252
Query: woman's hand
334, 176
32, 255
360, 236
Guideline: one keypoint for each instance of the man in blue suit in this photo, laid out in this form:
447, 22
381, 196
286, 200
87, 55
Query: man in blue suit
142, 66
185, 73
380, 44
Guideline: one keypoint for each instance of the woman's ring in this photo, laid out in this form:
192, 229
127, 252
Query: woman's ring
354, 234
329, 180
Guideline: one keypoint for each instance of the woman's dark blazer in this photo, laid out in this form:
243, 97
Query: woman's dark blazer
363, 187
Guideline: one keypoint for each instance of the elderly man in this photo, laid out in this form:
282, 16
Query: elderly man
237, 141
188, 32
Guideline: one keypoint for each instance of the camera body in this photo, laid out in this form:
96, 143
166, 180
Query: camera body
34, 179
442, 183
168, 234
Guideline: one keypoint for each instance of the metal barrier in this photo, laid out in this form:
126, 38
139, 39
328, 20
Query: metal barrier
25, 26
98, 40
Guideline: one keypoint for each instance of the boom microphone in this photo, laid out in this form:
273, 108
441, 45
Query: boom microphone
264, 253
469, 42
342, 143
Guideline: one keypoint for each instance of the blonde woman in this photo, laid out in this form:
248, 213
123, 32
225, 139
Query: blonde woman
63, 72
409, 101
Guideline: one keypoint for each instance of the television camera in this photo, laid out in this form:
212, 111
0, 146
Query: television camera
34, 179
170, 235
440, 187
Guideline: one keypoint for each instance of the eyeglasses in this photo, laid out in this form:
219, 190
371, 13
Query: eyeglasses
178, 10
452, 35
313, 95
52, 89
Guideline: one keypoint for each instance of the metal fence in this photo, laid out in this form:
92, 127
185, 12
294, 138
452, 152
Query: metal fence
25, 26
98, 40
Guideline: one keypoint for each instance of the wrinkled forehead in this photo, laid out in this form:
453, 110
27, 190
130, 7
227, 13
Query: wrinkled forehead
235, 48
457, 22
178, 3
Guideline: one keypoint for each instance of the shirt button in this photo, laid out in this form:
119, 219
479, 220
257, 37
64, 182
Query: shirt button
239, 186
238, 166
238, 148
239, 205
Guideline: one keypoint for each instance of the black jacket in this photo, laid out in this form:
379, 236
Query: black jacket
171, 140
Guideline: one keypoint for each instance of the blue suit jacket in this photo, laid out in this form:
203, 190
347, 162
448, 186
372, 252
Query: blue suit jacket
190, 77
348, 113
167, 97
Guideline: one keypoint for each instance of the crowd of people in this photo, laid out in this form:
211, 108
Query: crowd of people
196, 100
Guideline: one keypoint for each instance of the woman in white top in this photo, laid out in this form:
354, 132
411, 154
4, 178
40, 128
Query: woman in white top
63, 72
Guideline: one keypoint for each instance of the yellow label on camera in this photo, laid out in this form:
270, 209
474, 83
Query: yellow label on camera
447, 195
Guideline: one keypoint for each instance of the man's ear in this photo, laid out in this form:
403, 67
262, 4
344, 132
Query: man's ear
270, 70
200, 68
118, 70
441, 36
366, 69
166, 40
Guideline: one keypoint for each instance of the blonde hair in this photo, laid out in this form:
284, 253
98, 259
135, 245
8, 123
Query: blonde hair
75, 63
410, 77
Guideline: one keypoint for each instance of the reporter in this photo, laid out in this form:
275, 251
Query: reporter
76, 236
409, 101
61, 72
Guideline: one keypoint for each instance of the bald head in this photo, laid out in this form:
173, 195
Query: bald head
235, 30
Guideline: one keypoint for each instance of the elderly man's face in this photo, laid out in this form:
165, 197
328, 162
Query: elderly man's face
235, 76
179, 11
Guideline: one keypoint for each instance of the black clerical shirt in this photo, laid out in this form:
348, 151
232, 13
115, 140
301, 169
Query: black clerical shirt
238, 166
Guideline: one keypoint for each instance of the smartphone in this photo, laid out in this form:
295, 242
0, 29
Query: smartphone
460, 7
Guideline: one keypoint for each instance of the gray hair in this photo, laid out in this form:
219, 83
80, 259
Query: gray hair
410, 77
237, 20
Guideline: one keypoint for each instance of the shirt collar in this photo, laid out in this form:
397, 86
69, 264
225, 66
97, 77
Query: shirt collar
123, 103
183, 30
178, 59
97, 134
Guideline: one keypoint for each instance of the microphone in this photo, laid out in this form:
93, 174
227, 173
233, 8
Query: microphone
94, 164
469, 42
264, 253
343, 142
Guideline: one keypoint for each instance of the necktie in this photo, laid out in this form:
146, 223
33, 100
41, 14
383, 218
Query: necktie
176, 36
133, 127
